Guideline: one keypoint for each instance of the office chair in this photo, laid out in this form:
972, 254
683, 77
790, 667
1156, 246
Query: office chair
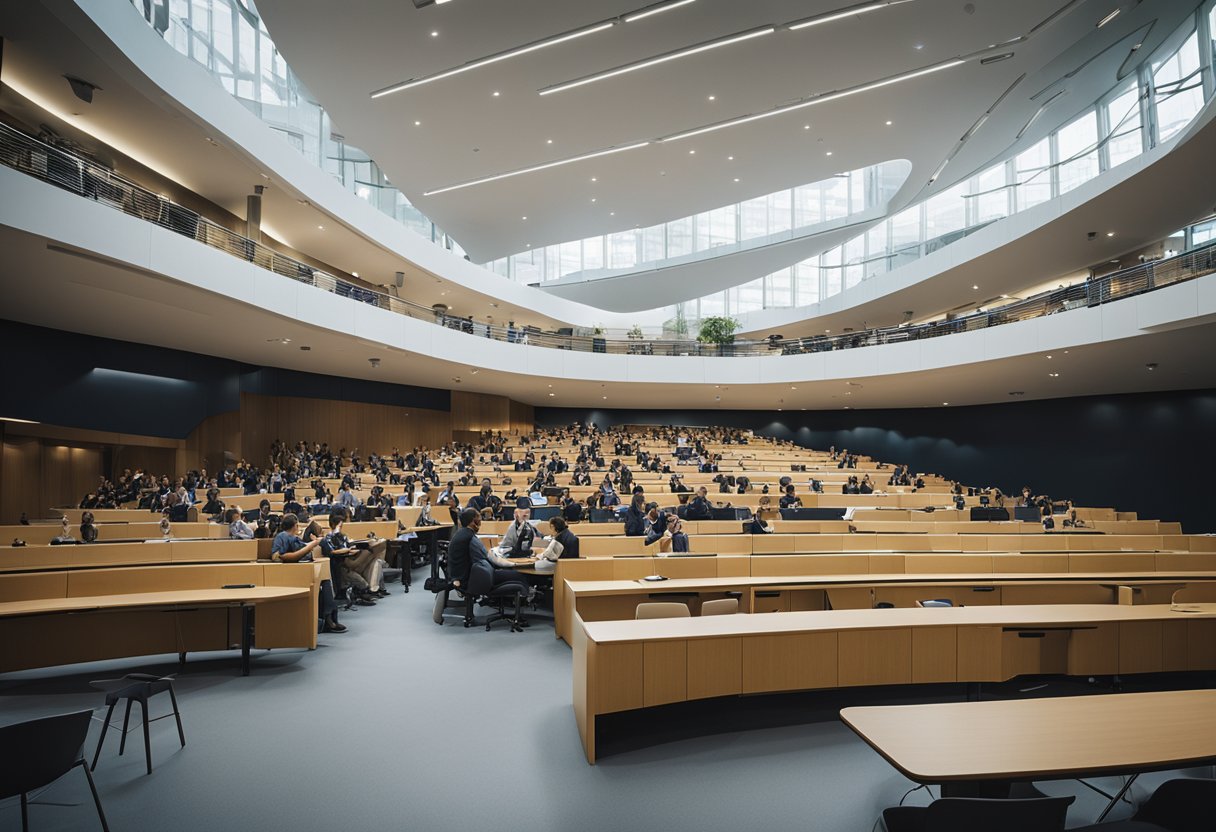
720, 606
664, 609
1180, 805
135, 687
39, 752
481, 586
968, 814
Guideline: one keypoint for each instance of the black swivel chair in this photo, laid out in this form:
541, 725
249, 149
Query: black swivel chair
39, 752
1180, 805
135, 687
969, 814
481, 585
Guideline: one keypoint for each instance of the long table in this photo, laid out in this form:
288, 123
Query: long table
626, 665
244, 598
982, 747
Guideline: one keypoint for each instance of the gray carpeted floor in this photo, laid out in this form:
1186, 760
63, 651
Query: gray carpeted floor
401, 724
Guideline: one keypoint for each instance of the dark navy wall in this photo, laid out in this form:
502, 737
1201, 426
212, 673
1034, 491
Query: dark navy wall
62, 378
1154, 454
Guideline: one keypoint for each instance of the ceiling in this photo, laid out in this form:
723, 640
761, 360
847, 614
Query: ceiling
455, 129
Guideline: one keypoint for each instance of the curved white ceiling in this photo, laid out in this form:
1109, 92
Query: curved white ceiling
466, 133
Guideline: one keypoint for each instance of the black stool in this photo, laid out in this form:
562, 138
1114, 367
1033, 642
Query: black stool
135, 687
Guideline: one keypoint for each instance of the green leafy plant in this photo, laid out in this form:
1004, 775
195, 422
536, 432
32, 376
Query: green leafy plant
717, 330
635, 333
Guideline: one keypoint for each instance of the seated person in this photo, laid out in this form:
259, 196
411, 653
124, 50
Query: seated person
572, 510
238, 529
789, 499
214, 504
673, 538
759, 524
466, 547
698, 506
289, 548
562, 542
656, 523
337, 547
519, 538
867, 486
635, 517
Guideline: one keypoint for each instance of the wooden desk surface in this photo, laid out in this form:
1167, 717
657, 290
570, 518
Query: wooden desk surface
151, 599
1042, 738
1029, 615
592, 588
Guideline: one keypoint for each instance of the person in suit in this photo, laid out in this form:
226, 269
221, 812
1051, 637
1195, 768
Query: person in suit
699, 507
466, 547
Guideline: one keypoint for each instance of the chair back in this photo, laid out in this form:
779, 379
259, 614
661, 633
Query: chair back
968, 814
1181, 805
481, 577
664, 609
40, 751
720, 606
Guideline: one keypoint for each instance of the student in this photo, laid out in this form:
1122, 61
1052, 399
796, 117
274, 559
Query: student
572, 510
519, 537
635, 517
790, 499
867, 485
608, 495
562, 542
214, 504
289, 548
238, 529
698, 506
336, 546
465, 548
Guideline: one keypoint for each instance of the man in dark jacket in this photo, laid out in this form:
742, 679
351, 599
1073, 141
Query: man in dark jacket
466, 547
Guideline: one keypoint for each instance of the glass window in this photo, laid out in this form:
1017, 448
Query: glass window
778, 290
946, 212
747, 298
832, 273
808, 205
653, 244
622, 250
905, 228
779, 212
991, 200
571, 258
1123, 115
753, 218
806, 279
712, 305
679, 237
593, 253
1077, 149
854, 254
1033, 172
1179, 88
836, 197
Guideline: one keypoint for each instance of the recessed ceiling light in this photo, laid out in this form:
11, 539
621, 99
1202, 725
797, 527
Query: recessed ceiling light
523, 218
656, 9
417, 123
1049, 357
1110, 233
829, 153
713, 98
320, 228
612, 213
548, 141
736, 179
919, 46
593, 199
975, 288
806, 127
496, 93
730, 158
1109, 18
603, 397
888, 124
434, 34
827, 330
692, 153
593, 179
552, 394
354, 274
1054, 375
661, 59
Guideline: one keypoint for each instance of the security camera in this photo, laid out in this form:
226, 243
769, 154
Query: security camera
375, 362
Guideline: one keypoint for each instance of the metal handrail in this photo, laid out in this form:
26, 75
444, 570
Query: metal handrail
74, 172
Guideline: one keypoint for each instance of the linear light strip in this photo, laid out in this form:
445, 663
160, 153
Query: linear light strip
828, 18
493, 59
833, 96
532, 47
535, 168
662, 59
656, 9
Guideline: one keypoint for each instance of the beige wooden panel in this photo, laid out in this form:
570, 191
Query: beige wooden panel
618, 677
1173, 645
930, 564
795, 661
808, 599
87, 582
1201, 543
664, 672
33, 585
1140, 646
1113, 562
1201, 645
934, 654
715, 667
1034, 652
851, 597
1186, 561
1003, 562
630, 569
875, 657
734, 567
770, 600
886, 565
979, 654
1094, 652
775, 544
604, 547
1059, 593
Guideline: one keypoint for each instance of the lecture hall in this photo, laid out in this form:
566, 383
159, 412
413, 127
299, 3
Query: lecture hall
616, 414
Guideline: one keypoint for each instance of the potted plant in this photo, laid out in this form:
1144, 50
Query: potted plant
635, 333
718, 330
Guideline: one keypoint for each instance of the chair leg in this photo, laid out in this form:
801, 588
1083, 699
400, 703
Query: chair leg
105, 726
143, 703
126, 720
101, 815
25, 813
181, 735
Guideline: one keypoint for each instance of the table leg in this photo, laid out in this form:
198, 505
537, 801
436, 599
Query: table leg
246, 636
1114, 801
